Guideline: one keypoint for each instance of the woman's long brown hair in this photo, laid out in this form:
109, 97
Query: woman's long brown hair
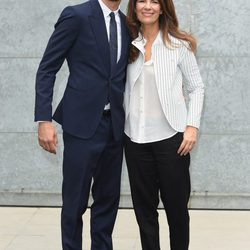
168, 24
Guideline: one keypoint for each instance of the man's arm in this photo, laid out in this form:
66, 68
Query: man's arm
64, 35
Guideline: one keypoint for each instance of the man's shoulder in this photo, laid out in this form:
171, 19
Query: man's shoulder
79, 9
82, 6
122, 14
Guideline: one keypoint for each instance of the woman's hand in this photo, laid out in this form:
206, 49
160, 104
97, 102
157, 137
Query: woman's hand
189, 140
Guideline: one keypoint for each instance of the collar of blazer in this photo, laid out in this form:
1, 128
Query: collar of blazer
140, 42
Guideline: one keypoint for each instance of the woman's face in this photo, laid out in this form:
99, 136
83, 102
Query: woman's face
148, 11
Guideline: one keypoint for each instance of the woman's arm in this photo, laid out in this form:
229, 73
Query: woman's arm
195, 88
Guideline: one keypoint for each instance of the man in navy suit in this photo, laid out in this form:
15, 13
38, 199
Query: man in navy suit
93, 38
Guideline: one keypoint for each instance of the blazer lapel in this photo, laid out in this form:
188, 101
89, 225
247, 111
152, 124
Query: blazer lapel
99, 28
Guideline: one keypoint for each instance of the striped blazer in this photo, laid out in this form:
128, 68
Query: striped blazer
171, 64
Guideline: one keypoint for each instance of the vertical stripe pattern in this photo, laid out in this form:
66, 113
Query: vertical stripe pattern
172, 65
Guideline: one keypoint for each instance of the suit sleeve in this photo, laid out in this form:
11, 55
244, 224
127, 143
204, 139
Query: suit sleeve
194, 86
63, 37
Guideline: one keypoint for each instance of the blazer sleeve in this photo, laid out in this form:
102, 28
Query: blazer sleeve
63, 37
194, 86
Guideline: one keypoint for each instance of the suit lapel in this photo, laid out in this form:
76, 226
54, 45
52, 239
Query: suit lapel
99, 28
125, 37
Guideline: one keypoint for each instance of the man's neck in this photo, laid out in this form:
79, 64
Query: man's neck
112, 4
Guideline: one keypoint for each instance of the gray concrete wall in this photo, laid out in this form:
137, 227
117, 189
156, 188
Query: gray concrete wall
220, 166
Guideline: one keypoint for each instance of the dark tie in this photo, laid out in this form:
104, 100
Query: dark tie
113, 41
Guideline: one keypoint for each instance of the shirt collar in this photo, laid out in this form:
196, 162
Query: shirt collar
105, 9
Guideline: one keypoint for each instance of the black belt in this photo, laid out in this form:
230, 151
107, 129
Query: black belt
106, 112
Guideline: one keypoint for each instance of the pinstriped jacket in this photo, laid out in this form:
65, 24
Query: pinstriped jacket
171, 64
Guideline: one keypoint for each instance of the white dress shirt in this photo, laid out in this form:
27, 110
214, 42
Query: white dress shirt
146, 121
106, 11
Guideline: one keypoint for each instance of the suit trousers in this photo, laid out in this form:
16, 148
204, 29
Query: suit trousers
97, 160
156, 167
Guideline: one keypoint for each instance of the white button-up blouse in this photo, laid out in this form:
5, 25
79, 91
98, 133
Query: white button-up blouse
146, 121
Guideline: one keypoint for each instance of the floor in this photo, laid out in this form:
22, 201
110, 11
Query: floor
39, 229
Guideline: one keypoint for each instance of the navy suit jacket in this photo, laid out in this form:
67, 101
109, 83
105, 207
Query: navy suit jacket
80, 37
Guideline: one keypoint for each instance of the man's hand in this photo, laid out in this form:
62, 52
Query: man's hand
47, 136
189, 140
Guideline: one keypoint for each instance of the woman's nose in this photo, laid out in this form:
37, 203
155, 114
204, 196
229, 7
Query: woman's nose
147, 5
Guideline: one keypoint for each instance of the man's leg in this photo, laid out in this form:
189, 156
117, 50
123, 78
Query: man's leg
79, 164
106, 193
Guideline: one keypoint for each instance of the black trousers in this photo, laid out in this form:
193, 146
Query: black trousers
153, 168
98, 158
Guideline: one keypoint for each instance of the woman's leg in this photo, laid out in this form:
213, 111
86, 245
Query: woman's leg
144, 190
174, 181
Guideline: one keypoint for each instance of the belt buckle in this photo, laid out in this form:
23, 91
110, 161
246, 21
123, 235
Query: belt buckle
106, 112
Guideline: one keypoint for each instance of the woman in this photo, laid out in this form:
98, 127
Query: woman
160, 130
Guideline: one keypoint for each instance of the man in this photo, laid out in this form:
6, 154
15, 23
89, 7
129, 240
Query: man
93, 38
